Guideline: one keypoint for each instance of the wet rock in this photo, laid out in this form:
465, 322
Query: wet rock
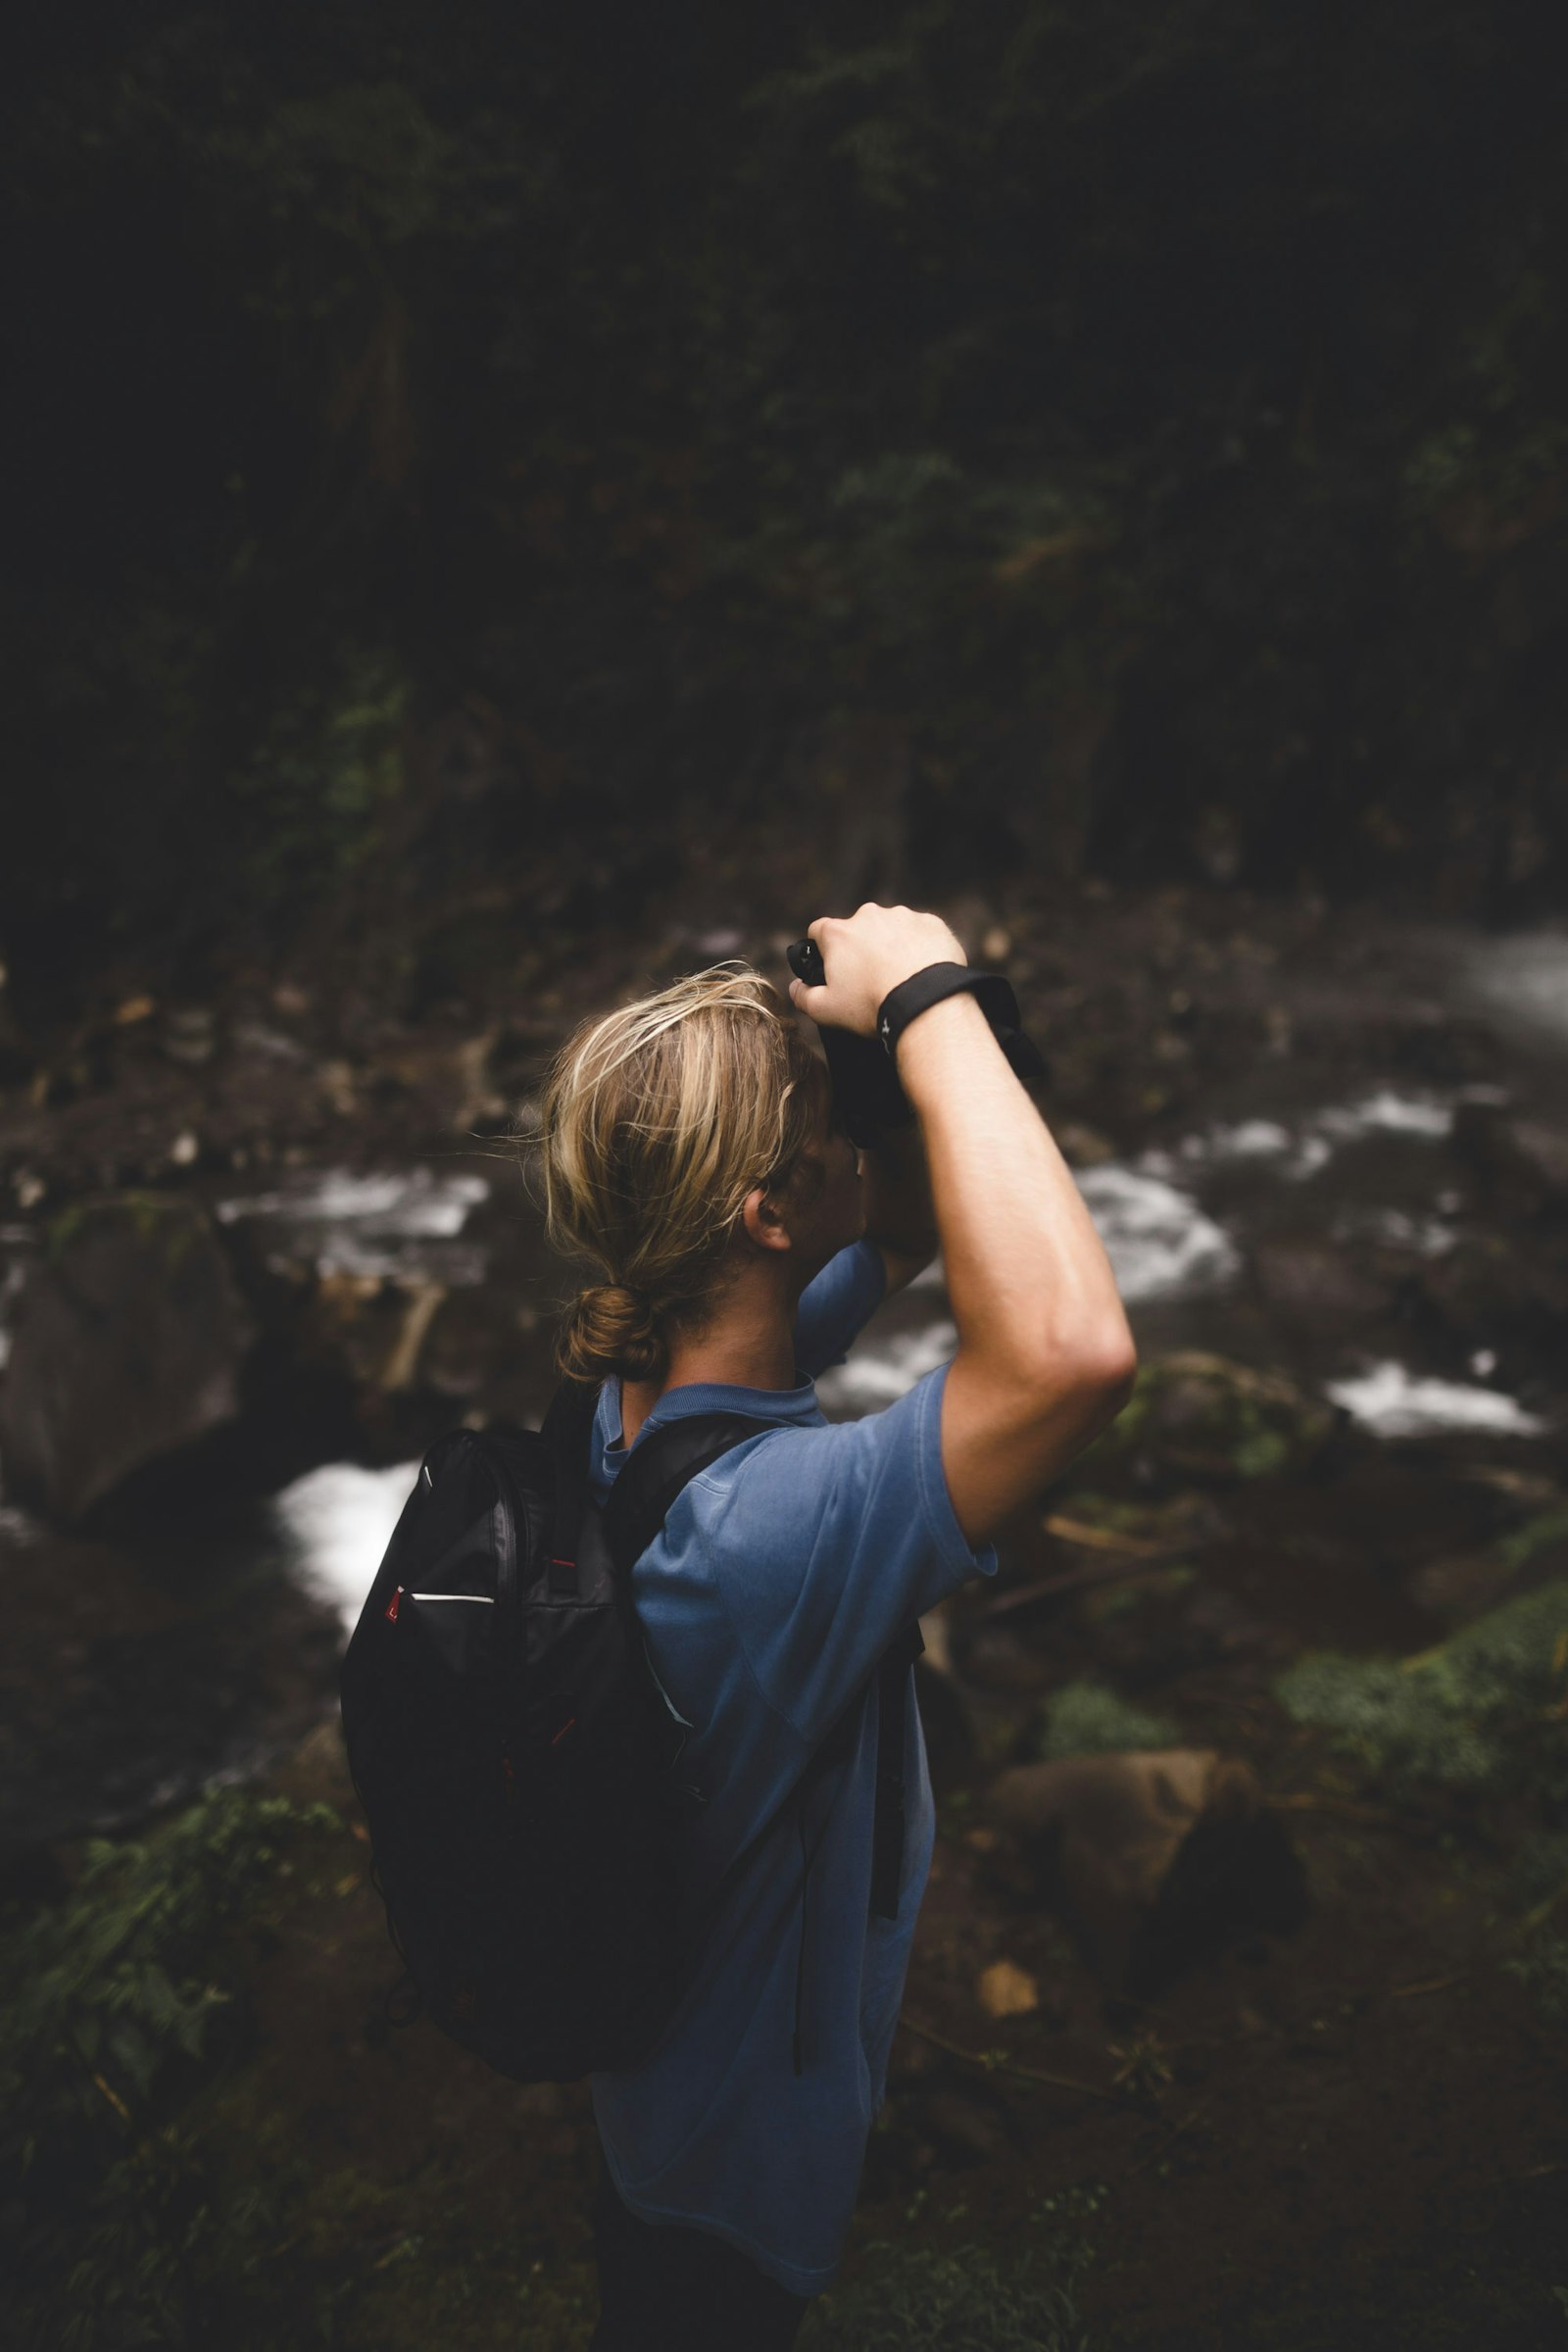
1506, 1289
1459, 1586
256, 1041
1198, 1416
1082, 1145
1521, 1164
369, 1325
189, 1035
130, 1678
1318, 1284
126, 1345
1152, 1858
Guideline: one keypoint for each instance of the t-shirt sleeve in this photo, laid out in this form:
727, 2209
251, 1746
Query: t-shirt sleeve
835, 1304
829, 1542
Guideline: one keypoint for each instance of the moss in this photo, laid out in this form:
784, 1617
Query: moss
1116, 1600
318, 789
1086, 1718
1205, 1416
123, 2003
1542, 1969
1519, 1548
152, 1216
1539, 1870
1477, 1714
965, 2298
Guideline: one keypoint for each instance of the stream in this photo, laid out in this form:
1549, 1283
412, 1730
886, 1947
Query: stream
1276, 1227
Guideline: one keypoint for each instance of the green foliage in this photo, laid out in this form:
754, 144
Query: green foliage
967, 2300
316, 792
957, 369
1086, 1718
1539, 1870
1517, 1550
122, 2001
1122, 1599
1537, 1886
1544, 1971
1478, 1714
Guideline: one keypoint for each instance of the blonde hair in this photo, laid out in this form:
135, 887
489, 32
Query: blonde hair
656, 1121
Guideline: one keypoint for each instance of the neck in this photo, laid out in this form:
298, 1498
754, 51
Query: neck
751, 1346
749, 1360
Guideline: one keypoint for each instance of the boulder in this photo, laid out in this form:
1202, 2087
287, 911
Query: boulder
126, 1344
1197, 1415
1520, 1164
1319, 1285
1150, 1856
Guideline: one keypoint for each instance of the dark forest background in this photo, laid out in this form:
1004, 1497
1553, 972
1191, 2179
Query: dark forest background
440, 438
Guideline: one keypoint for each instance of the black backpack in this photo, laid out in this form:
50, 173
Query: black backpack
520, 1765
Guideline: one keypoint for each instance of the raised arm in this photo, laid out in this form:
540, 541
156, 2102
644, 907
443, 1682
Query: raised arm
1044, 1358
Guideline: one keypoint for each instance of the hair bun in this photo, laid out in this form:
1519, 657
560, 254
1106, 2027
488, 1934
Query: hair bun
615, 1298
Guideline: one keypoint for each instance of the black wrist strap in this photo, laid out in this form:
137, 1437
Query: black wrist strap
900, 1007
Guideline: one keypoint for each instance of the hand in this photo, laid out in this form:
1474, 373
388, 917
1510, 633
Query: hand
867, 954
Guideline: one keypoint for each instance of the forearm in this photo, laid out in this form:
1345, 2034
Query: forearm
1026, 1269
896, 1181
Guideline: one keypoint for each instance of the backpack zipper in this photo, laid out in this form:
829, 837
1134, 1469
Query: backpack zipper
402, 1594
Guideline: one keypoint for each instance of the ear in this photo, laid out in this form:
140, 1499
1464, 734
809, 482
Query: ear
763, 1215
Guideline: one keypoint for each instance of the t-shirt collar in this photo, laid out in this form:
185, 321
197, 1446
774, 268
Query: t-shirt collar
798, 1403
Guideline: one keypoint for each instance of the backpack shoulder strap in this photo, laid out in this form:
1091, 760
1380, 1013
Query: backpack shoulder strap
886, 1847
638, 1502
658, 1468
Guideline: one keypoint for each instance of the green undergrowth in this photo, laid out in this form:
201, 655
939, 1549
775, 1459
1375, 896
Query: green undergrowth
1086, 1718
1480, 1715
1535, 1895
1542, 1970
119, 2225
1537, 1873
1548, 1526
965, 2298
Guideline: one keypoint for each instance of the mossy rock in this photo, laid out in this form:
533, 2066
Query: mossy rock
1480, 1713
1203, 1416
1086, 1718
128, 1342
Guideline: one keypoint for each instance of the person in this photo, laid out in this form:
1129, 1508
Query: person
692, 1156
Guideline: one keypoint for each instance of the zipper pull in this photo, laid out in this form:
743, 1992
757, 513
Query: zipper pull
390, 1612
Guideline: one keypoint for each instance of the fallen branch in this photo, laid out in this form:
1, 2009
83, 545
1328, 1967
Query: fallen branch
1304, 1803
1078, 1580
993, 2061
1099, 1538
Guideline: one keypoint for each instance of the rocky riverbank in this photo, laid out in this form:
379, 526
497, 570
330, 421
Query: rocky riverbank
1240, 1961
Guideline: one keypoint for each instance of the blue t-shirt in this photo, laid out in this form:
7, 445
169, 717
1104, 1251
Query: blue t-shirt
782, 1573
